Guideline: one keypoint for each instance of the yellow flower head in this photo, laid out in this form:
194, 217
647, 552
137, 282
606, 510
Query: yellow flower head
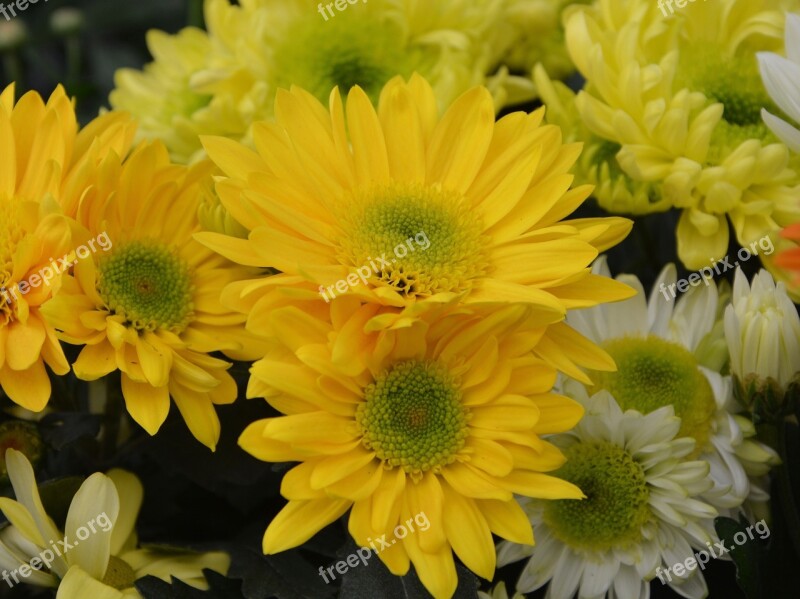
406, 208
437, 422
45, 161
220, 82
145, 299
681, 96
96, 554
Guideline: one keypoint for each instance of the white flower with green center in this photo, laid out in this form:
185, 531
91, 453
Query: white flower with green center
643, 508
669, 352
781, 77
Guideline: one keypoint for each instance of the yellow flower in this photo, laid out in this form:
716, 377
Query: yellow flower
408, 209
682, 99
45, 160
436, 422
147, 301
221, 82
96, 554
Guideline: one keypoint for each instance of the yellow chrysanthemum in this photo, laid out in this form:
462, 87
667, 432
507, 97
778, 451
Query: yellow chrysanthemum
438, 421
219, 83
426, 209
147, 302
681, 96
45, 160
96, 555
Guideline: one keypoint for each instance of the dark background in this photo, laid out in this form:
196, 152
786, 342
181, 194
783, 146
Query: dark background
223, 500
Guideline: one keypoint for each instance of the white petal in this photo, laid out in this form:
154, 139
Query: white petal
628, 584
659, 308
782, 80
782, 130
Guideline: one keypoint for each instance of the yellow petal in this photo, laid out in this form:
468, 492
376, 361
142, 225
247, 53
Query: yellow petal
147, 405
507, 519
29, 388
469, 533
299, 521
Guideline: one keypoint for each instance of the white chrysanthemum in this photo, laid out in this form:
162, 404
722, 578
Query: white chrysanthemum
669, 351
782, 79
762, 329
643, 508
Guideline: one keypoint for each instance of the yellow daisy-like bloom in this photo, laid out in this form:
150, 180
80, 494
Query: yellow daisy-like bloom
147, 302
682, 97
440, 420
220, 82
45, 160
404, 208
96, 554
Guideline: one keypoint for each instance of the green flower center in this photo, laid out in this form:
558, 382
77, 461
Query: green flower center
616, 505
418, 240
148, 284
352, 48
736, 84
653, 373
412, 417
119, 574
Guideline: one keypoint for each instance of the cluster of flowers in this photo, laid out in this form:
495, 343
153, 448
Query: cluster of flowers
501, 382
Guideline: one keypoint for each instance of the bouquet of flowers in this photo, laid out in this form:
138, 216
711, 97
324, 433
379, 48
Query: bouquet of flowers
390, 298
